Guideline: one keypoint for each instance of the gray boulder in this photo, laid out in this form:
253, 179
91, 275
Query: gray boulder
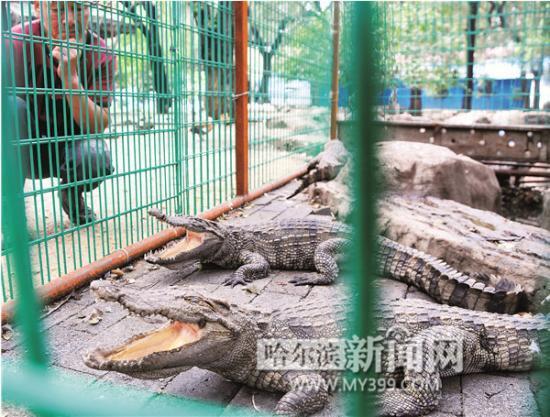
545, 216
422, 169
472, 241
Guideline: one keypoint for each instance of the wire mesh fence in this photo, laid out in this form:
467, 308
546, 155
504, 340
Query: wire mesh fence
289, 77
464, 56
127, 105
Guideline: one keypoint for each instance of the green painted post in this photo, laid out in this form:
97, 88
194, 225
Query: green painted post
365, 190
179, 126
14, 232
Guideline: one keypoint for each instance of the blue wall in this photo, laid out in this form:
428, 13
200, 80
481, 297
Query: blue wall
499, 99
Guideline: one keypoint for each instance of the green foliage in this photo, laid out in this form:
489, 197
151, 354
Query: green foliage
308, 55
134, 68
133, 63
304, 49
424, 44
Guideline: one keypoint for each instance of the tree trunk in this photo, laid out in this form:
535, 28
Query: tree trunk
525, 88
219, 77
268, 52
470, 52
409, 220
154, 49
160, 79
536, 77
415, 106
263, 91
536, 104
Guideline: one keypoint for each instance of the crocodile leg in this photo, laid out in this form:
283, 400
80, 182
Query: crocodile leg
308, 394
325, 263
431, 355
254, 266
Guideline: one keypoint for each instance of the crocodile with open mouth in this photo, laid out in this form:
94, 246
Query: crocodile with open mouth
317, 245
213, 334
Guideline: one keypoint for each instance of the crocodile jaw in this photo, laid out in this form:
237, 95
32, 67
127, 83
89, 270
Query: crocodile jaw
193, 247
173, 336
195, 333
163, 352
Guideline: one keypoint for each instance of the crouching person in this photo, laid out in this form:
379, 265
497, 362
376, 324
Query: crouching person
66, 99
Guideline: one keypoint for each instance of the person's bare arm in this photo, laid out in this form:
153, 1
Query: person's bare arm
91, 117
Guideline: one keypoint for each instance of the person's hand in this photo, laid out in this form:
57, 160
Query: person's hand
67, 72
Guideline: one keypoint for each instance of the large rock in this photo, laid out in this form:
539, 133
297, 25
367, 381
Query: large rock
545, 216
512, 117
422, 169
472, 241
416, 169
500, 117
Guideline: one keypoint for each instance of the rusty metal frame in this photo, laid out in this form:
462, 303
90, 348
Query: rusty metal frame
478, 141
241, 95
528, 143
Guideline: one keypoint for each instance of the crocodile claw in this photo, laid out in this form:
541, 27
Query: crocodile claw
298, 281
233, 281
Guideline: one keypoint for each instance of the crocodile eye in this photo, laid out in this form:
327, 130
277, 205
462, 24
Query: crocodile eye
202, 323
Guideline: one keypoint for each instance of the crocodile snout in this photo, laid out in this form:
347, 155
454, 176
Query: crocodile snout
104, 290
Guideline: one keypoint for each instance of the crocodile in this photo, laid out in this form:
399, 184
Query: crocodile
212, 334
324, 167
318, 245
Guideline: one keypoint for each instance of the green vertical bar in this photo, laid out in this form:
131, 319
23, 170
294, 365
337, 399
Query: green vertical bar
222, 88
205, 154
363, 268
178, 97
103, 204
36, 155
16, 241
185, 37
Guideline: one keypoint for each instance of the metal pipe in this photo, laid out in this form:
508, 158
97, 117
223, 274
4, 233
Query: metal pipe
517, 164
521, 172
540, 180
335, 65
64, 285
241, 95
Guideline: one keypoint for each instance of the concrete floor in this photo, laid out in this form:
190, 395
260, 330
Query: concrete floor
71, 330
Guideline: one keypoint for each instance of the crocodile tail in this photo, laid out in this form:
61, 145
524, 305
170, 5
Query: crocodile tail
314, 175
444, 283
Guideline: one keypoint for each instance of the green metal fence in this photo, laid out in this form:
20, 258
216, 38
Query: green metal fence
476, 55
154, 158
289, 75
143, 114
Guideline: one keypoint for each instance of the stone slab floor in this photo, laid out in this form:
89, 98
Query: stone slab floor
78, 323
